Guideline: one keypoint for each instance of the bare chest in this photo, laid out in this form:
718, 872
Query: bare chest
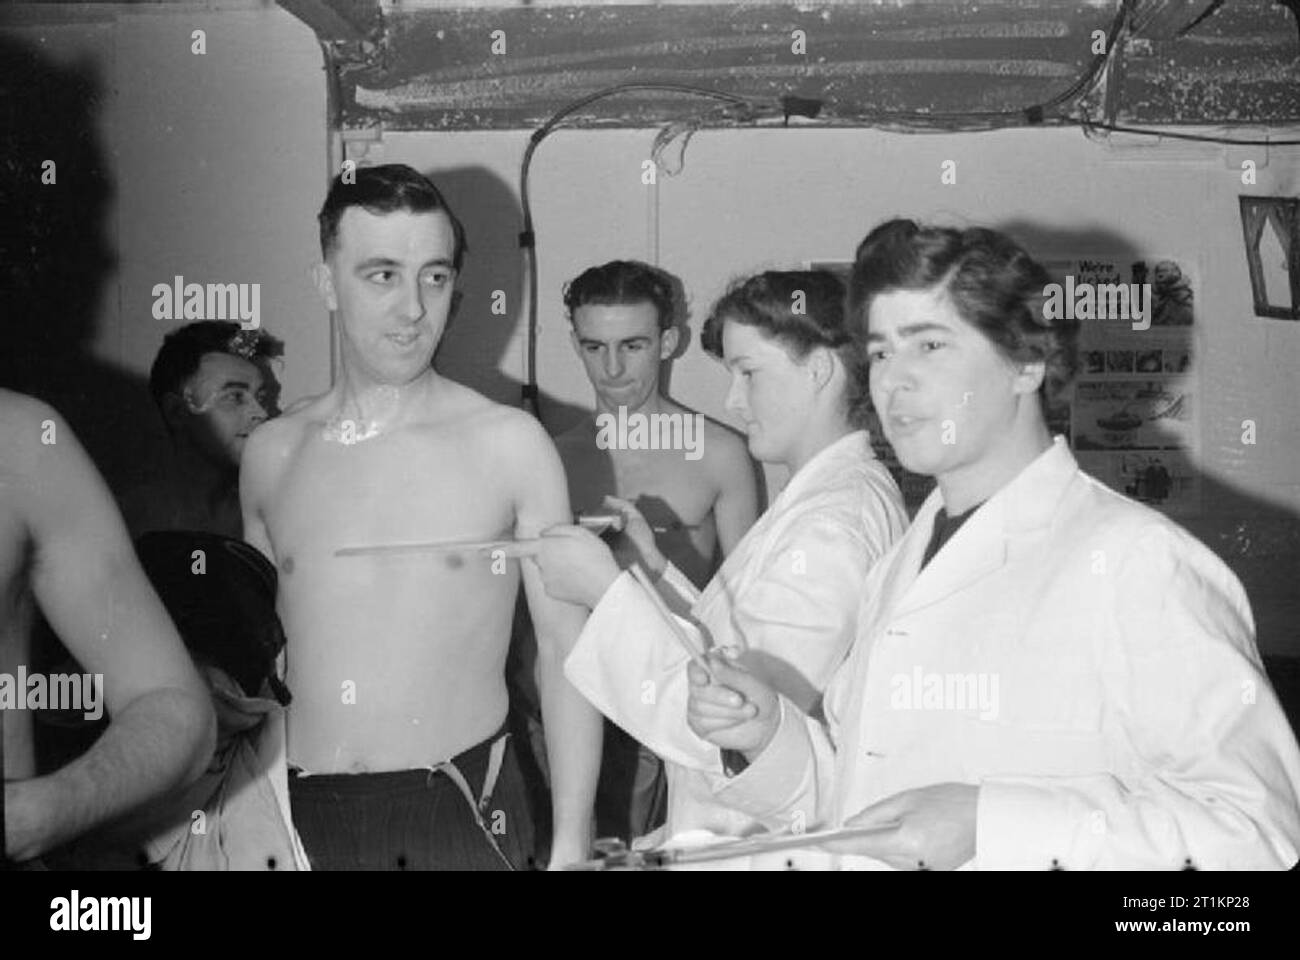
386, 490
669, 489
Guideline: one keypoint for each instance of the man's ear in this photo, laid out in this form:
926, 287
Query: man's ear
1030, 377
573, 339
323, 277
457, 296
668, 341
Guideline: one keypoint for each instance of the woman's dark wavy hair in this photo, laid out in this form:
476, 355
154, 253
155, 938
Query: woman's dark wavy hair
767, 301
995, 285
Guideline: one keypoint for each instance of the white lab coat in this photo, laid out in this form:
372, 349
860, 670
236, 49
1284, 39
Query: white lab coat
1133, 728
787, 596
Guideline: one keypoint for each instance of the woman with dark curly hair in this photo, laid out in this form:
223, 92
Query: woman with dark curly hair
1049, 675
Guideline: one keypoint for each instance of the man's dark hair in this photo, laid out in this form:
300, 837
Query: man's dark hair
800, 309
184, 348
621, 282
994, 284
385, 189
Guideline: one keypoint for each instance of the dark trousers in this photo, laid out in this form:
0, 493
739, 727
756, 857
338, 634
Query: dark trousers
415, 819
632, 793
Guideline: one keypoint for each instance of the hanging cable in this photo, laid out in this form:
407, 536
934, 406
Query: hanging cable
1089, 125
681, 130
743, 109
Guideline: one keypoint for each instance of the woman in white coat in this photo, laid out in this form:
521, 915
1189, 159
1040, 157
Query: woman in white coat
786, 598
1049, 675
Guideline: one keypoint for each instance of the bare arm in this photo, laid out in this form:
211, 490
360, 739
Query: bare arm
88, 583
573, 727
736, 508
256, 468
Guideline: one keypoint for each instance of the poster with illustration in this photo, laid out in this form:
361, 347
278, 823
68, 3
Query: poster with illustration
1134, 414
1167, 480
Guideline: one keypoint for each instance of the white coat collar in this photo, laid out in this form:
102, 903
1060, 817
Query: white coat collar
829, 463
852, 448
983, 543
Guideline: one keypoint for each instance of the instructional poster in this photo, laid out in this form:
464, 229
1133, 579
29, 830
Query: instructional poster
1134, 417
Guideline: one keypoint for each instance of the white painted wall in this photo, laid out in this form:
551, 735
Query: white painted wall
221, 168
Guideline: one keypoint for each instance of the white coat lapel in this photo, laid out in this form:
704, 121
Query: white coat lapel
975, 551
898, 570
985, 541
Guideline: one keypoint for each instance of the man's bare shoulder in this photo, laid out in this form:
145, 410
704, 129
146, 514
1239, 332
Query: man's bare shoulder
18, 412
513, 445
273, 442
26, 426
46, 468
290, 426
457, 402
453, 400
516, 433
277, 436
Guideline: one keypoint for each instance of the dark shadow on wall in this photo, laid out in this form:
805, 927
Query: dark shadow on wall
57, 262
57, 273
477, 339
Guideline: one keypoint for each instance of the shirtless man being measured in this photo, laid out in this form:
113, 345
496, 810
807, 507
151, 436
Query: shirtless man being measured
703, 494
396, 659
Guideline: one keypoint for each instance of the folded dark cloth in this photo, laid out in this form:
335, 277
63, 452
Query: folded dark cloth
221, 594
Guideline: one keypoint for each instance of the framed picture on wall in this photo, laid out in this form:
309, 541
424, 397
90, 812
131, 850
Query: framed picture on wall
1271, 229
